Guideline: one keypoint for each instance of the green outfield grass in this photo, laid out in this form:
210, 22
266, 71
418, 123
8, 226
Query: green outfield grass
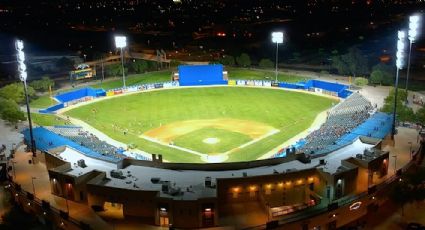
47, 119
42, 102
163, 76
290, 112
227, 140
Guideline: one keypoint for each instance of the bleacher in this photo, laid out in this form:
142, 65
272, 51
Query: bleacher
342, 120
46, 139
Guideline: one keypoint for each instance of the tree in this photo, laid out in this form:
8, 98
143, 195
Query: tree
15, 92
404, 113
409, 188
353, 62
244, 60
227, 60
266, 63
173, 63
65, 64
138, 66
376, 77
361, 81
340, 65
115, 70
296, 56
400, 194
43, 84
420, 115
10, 111
387, 73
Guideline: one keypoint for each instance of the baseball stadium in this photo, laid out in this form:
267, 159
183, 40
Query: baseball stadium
202, 148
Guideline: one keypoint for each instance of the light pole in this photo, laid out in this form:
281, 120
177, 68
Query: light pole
413, 33
277, 37
33, 187
14, 171
395, 164
400, 64
68, 185
410, 150
22, 68
121, 42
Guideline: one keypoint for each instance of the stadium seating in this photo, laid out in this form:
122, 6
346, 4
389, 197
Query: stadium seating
342, 120
88, 144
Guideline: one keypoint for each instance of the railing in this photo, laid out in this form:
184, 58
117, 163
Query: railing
27, 198
320, 209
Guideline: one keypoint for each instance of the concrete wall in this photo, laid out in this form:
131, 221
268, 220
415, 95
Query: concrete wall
209, 167
276, 189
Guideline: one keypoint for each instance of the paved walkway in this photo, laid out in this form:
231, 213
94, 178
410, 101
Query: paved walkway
9, 135
81, 212
4, 202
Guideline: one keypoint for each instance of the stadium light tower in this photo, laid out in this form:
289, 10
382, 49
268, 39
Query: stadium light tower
413, 34
399, 64
121, 42
22, 69
277, 37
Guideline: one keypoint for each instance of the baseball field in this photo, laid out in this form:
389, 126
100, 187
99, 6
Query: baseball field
205, 124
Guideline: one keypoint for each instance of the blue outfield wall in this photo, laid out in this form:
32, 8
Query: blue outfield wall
52, 109
80, 93
71, 96
193, 75
341, 89
45, 140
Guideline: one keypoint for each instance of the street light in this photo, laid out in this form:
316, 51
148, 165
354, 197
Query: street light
33, 187
400, 64
395, 164
14, 171
413, 33
22, 69
277, 37
121, 42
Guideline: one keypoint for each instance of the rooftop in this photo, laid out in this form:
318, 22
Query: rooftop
189, 184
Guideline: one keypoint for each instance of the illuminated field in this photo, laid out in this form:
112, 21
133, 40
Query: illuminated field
187, 124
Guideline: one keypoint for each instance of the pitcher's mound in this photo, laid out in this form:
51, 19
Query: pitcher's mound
211, 140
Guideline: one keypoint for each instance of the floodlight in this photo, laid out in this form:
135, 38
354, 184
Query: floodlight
414, 21
400, 45
120, 41
400, 49
400, 64
22, 69
21, 55
401, 35
413, 27
277, 37
23, 76
19, 45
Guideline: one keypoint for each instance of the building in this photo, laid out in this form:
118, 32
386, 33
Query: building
204, 195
